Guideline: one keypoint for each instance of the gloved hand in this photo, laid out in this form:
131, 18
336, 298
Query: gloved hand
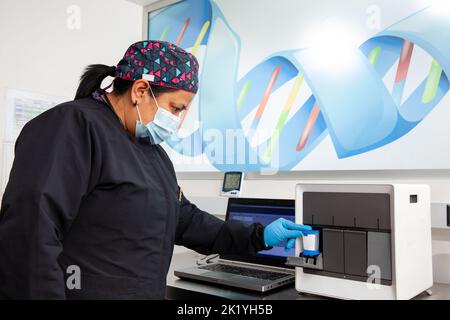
282, 229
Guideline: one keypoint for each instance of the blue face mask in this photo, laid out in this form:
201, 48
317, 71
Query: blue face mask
163, 126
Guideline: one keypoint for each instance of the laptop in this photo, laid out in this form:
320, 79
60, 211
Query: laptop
263, 271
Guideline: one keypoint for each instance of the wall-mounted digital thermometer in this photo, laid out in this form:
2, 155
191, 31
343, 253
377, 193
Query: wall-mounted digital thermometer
232, 184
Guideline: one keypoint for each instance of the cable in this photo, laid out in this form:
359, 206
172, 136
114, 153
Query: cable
206, 259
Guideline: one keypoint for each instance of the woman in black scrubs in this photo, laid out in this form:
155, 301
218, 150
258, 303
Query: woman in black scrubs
91, 187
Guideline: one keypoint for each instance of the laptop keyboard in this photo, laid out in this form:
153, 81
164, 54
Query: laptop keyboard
248, 272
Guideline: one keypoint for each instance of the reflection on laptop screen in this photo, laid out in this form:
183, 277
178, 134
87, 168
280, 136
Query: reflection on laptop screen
264, 214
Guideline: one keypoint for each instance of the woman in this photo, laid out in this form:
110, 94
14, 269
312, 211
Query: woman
92, 188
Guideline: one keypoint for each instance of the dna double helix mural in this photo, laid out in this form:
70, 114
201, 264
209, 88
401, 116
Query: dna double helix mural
363, 107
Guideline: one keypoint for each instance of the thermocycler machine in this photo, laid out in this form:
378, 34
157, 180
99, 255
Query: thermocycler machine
374, 240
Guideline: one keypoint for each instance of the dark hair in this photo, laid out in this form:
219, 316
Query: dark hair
94, 74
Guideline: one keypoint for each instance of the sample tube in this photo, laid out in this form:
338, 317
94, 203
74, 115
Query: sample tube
310, 243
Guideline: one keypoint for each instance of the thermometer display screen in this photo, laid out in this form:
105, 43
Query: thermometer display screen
232, 181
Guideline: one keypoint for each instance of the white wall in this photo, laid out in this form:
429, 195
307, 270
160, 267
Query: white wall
282, 186
40, 53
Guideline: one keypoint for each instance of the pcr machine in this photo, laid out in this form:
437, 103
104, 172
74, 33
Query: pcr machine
373, 241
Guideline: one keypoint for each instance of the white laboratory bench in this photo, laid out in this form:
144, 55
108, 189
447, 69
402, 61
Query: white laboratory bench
186, 289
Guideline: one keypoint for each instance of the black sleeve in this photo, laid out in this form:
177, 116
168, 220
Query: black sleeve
207, 234
49, 176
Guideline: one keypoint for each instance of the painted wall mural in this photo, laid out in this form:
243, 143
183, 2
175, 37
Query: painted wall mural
358, 97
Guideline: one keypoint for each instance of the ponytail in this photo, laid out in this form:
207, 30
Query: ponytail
92, 78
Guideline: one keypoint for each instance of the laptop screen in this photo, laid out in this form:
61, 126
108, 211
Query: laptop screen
264, 211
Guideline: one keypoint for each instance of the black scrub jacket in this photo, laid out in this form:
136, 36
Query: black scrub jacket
83, 191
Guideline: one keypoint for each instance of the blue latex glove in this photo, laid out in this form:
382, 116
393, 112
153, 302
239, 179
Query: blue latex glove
282, 229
